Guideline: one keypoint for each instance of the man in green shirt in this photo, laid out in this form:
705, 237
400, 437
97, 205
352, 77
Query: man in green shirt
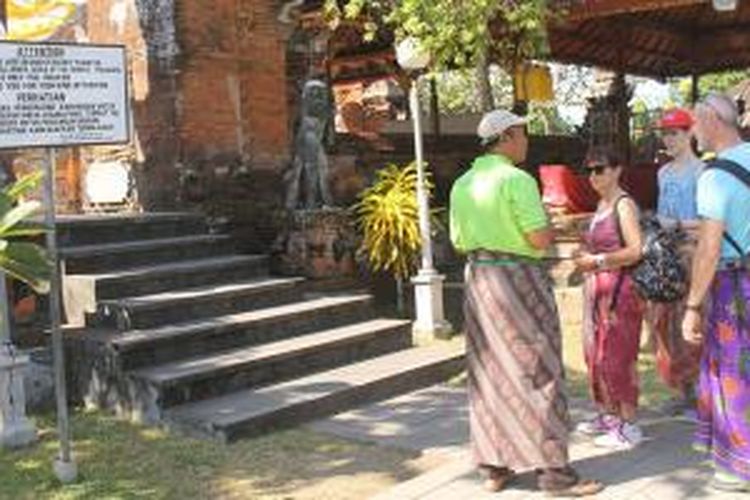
517, 406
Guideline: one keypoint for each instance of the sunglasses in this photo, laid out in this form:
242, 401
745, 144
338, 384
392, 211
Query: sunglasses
596, 169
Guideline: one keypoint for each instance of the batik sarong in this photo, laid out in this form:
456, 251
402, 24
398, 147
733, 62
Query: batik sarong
677, 362
724, 383
517, 406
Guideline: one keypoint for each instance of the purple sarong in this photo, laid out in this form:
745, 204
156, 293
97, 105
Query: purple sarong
724, 384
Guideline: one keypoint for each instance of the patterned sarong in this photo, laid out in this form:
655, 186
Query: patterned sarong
724, 384
677, 362
517, 406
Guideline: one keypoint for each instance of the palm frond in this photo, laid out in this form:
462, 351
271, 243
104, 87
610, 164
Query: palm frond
23, 260
27, 262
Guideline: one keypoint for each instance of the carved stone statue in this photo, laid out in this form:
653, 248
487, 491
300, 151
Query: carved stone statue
307, 181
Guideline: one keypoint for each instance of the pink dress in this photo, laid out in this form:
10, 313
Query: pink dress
612, 322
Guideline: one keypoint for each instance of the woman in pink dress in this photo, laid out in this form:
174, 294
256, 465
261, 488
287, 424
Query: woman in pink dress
613, 311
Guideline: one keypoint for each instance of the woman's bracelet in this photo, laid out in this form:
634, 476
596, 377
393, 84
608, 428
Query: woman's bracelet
694, 307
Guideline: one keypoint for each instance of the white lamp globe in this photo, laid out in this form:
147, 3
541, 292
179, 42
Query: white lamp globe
411, 55
724, 5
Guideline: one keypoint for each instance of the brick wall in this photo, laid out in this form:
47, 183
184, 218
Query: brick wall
232, 82
211, 100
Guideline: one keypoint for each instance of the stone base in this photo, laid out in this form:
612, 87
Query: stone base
66, 472
430, 323
16, 429
318, 243
17, 434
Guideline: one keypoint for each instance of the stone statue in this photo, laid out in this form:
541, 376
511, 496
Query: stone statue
307, 181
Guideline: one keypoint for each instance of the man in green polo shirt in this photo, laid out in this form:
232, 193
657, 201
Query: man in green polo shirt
517, 405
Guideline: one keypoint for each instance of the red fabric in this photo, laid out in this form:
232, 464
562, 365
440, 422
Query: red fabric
562, 188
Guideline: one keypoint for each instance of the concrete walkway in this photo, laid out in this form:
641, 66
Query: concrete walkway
435, 420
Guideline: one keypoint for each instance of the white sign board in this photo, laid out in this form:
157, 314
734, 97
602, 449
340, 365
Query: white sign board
62, 95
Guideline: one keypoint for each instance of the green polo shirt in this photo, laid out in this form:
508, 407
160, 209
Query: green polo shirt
493, 205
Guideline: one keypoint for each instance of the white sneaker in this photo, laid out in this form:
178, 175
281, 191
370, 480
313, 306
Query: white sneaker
626, 436
600, 424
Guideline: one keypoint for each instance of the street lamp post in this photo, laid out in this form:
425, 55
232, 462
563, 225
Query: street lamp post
428, 284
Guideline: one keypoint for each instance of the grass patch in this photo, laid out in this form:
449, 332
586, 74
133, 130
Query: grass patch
120, 460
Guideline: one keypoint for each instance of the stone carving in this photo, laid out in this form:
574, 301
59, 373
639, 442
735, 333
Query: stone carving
317, 244
307, 180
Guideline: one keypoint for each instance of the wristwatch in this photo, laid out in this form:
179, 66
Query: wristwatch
599, 261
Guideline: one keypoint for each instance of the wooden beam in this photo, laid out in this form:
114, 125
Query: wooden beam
694, 89
603, 8
614, 43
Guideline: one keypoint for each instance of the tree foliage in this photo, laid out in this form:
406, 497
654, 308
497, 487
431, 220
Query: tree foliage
714, 82
457, 33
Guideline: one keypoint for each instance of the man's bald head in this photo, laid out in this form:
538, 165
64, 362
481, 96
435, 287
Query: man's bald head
716, 121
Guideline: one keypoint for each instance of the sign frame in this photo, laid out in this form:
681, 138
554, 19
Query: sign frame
126, 105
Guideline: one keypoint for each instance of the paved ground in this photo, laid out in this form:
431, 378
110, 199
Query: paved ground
434, 420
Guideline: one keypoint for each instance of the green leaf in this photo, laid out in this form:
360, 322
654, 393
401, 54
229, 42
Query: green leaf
23, 260
27, 262
26, 184
18, 214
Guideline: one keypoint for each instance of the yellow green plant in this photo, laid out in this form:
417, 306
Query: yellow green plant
388, 218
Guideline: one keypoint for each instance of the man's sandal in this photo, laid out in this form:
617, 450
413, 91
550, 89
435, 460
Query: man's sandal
581, 488
497, 478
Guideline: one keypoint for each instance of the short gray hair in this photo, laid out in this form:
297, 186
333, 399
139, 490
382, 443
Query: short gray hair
724, 107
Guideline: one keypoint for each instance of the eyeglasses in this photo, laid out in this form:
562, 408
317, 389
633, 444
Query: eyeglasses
595, 169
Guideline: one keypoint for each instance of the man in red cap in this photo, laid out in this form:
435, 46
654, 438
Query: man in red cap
677, 361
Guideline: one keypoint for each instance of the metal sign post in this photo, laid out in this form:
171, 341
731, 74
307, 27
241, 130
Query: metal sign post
64, 465
59, 95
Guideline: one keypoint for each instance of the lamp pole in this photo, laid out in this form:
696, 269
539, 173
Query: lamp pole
430, 320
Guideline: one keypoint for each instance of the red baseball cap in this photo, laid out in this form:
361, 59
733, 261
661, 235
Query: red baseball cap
676, 118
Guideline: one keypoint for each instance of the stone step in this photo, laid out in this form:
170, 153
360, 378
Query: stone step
176, 306
83, 291
76, 230
252, 412
204, 377
103, 257
140, 348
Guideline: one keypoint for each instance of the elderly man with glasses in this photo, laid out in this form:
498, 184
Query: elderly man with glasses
721, 279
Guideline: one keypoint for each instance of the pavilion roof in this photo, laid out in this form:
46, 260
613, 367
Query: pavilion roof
651, 37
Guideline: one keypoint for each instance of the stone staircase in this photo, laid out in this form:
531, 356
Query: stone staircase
169, 324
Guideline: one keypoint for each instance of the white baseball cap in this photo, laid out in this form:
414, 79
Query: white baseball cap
494, 123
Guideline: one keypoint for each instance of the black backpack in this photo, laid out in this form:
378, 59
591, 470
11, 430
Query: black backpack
660, 275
